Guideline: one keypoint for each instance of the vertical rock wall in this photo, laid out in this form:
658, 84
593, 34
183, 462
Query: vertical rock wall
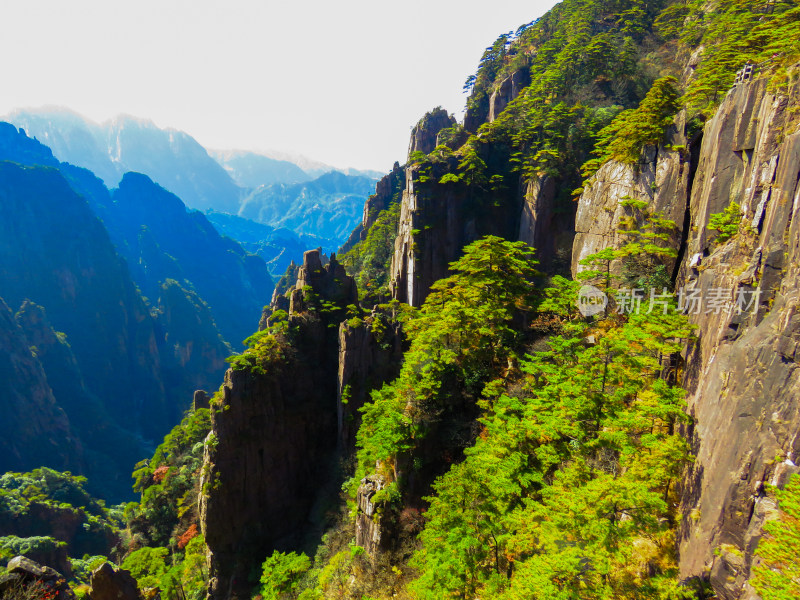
661, 179
742, 376
741, 373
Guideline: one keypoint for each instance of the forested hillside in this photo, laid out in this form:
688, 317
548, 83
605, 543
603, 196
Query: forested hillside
557, 359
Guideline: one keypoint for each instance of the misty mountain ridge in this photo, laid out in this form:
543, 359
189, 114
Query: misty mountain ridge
203, 179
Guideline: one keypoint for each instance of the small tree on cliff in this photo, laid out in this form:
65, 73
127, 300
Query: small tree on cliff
462, 337
777, 577
631, 130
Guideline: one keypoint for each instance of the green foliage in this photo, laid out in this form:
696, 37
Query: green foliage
288, 280
264, 350
777, 576
624, 137
178, 576
281, 575
449, 178
370, 260
147, 565
461, 335
11, 546
46, 486
471, 165
82, 567
734, 32
726, 222
669, 23
36, 504
168, 482
569, 489
559, 297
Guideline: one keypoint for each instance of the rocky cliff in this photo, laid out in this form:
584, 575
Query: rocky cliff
370, 353
436, 222
741, 372
662, 179
34, 430
273, 443
425, 133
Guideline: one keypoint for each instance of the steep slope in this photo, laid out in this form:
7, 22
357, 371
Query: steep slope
743, 376
161, 241
528, 450
274, 432
34, 429
56, 253
109, 447
740, 373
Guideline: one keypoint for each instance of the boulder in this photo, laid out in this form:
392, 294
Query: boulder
28, 576
112, 583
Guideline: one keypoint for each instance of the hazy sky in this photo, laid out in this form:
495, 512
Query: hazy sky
341, 81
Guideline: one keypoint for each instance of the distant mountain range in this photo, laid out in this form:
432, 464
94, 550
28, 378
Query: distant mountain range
287, 192
277, 246
171, 158
118, 305
329, 206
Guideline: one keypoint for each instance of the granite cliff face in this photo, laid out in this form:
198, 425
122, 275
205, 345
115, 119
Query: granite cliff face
506, 90
661, 178
424, 134
274, 436
741, 373
438, 220
370, 353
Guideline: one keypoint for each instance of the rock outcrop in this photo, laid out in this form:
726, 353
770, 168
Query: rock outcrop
436, 222
388, 191
112, 583
272, 448
508, 89
425, 132
331, 281
545, 228
369, 532
743, 374
28, 579
370, 354
661, 178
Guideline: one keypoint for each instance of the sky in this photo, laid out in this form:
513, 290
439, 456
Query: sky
342, 82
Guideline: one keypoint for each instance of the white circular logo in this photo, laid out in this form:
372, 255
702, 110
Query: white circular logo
591, 300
